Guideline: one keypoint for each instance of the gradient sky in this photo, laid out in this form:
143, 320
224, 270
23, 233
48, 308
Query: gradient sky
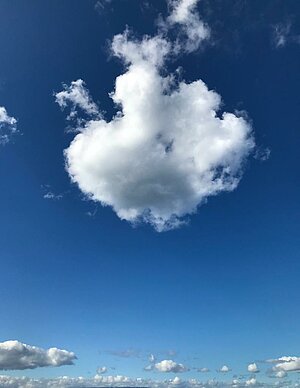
223, 289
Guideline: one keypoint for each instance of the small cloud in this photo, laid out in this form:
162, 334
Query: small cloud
281, 34
250, 382
280, 374
15, 355
203, 370
262, 154
224, 369
127, 353
77, 97
149, 368
252, 368
101, 370
167, 366
8, 126
194, 31
49, 194
101, 5
176, 381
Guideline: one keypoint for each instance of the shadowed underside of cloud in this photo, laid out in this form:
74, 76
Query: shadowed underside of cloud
15, 355
8, 126
168, 148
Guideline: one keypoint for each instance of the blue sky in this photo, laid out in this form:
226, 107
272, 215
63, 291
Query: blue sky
222, 289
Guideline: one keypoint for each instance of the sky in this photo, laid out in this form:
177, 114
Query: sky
149, 168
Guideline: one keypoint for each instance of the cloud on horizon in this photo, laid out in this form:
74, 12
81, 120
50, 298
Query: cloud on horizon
15, 355
124, 381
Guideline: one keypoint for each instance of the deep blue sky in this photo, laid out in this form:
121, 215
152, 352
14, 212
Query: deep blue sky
225, 288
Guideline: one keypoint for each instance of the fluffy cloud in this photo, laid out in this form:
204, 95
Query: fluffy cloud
167, 366
7, 126
252, 368
280, 374
78, 95
287, 364
16, 355
250, 382
167, 149
194, 31
224, 369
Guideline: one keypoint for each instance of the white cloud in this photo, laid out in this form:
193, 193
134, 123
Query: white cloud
167, 149
176, 381
280, 374
184, 13
16, 355
151, 358
8, 126
252, 368
224, 369
203, 370
281, 33
167, 366
287, 364
123, 381
250, 382
77, 95
101, 370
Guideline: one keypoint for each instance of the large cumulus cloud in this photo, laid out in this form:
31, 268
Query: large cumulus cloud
168, 148
15, 355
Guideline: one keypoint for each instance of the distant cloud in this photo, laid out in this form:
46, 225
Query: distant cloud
169, 147
125, 353
194, 31
224, 369
286, 364
167, 366
253, 368
124, 381
280, 374
8, 126
49, 194
101, 4
101, 370
282, 35
203, 370
15, 355
251, 382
